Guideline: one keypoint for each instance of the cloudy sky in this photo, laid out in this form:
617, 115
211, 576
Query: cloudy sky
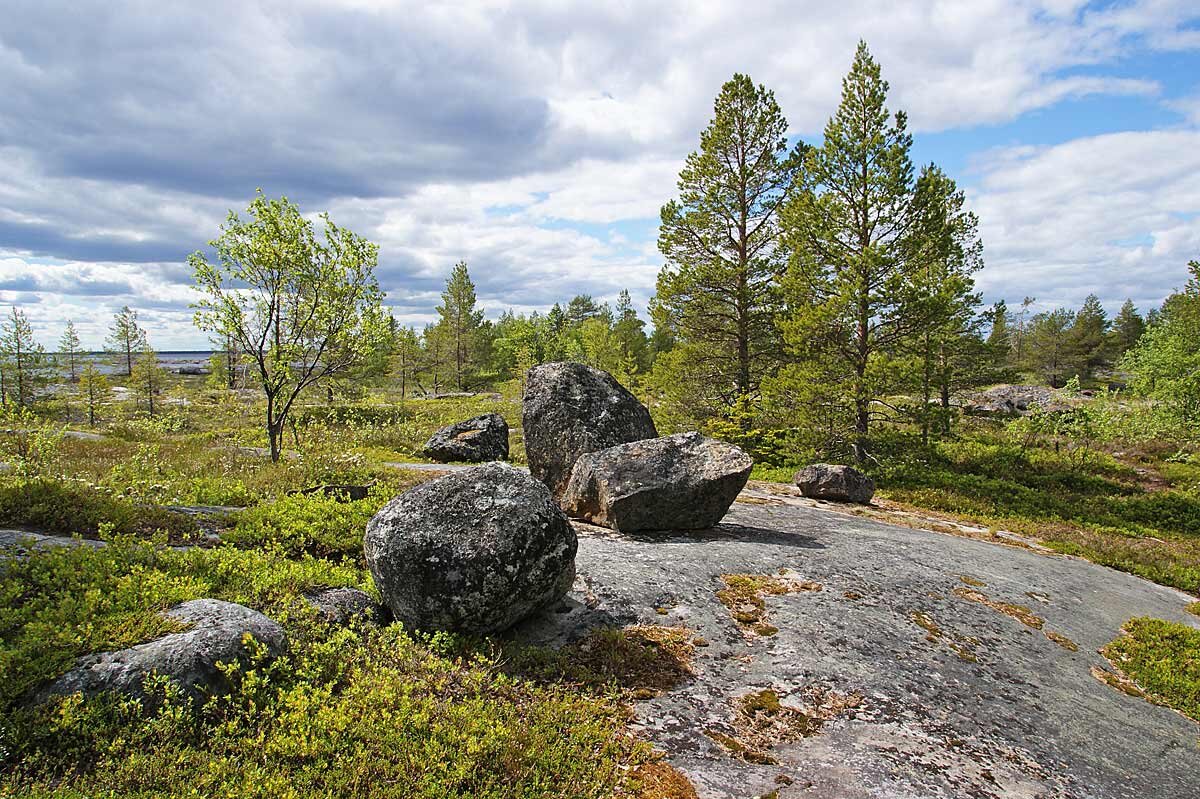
537, 140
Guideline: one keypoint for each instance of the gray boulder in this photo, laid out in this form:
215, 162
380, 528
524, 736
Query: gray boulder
679, 482
472, 552
834, 482
340, 605
478, 440
1011, 399
188, 658
569, 409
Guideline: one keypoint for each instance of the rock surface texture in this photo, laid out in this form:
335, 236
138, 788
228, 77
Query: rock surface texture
1008, 399
836, 483
569, 409
472, 552
478, 440
679, 482
340, 605
189, 658
924, 690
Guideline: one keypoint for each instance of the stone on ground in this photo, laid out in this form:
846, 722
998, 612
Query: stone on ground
472, 552
188, 658
569, 409
679, 482
340, 605
836, 483
478, 440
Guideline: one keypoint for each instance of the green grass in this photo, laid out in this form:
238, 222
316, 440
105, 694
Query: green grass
1163, 658
347, 711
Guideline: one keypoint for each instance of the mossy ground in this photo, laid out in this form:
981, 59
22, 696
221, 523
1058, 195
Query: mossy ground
1159, 660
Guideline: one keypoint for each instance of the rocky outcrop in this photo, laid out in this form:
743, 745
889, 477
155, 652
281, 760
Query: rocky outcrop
679, 482
478, 440
837, 483
1013, 400
340, 605
189, 658
569, 409
472, 552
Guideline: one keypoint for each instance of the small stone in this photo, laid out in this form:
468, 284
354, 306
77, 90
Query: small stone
835, 482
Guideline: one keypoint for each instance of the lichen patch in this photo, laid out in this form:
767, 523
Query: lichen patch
744, 595
1021, 613
762, 720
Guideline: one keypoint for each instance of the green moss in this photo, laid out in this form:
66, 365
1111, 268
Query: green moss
1163, 659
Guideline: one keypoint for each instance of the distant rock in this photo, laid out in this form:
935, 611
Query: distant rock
1011, 399
472, 552
679, 482
569, 409
834, 482
345, 493
340, 605
478, 440
189, 658
193, 370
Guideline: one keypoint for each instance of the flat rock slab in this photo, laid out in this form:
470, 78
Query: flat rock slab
957, 697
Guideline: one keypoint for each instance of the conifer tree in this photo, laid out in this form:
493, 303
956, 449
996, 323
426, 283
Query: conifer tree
721, 239
460, 321
1089, 338
1127, 327
850, 284
1049, 349
93, 388
68, 349
406, 351
148, 377
126, 337
21, 357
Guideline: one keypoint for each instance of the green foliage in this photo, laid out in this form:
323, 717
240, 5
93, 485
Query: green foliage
72, 508
125, 338
460, 321
307, 317
93, 390
1127, 327
69, 351
344, 711
28, 443
1049, 348
321, 526
1163, 658
1165, 363
23, 364
717, 293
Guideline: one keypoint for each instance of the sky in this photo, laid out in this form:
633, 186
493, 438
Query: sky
538, 140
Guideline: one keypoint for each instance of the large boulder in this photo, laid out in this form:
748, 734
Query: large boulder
679, 482
472, 552
478, 440
189, 658
1010, 399
569, 409
834, 482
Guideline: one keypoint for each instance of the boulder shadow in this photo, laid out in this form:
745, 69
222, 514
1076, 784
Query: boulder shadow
723, 532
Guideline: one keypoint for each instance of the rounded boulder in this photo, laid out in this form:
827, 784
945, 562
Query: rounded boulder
473, 552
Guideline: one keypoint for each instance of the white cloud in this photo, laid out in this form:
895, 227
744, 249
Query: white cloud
1114, 214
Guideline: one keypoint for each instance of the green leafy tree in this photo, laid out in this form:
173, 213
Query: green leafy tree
125, 338
1165, 363
302, 310
148, 378
460, 320
1089, 338
22, 359
93, 390
850, 286
69, 350
631, 333
718, 291
1127, 327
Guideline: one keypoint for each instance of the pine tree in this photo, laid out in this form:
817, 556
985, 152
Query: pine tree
943, 252
24, 358
68, 348
148, 377
631, 333
999, 338
126, 338
1089, 338
848, 226
460, 320
1021, 331
93, 388
1127, 327
406, 352
721, 241
1049, 350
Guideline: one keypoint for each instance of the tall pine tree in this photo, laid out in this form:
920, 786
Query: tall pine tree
717, 292
460, 321
850, 284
